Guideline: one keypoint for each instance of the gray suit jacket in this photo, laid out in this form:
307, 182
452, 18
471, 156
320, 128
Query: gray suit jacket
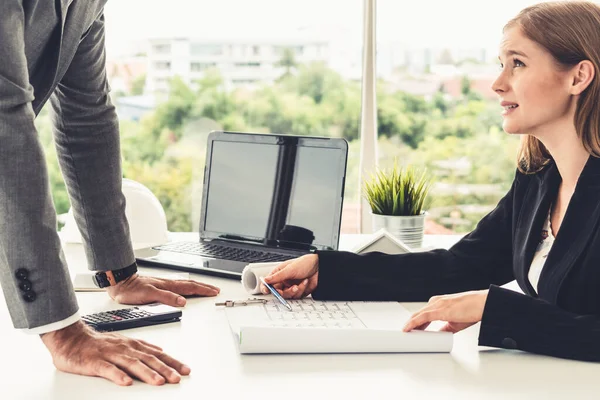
54, 49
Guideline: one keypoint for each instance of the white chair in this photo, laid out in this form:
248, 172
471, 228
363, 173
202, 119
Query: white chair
145, 214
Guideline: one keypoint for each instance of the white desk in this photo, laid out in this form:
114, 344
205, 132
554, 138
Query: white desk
203, 341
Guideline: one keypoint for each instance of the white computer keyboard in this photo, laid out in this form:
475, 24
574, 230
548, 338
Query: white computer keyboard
308, 313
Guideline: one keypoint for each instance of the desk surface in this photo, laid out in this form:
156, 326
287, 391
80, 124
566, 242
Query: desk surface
203, 341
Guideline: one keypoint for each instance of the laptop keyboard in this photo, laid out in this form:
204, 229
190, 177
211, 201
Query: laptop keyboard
308, 313
222, 252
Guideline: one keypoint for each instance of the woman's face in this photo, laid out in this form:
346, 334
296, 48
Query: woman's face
533, 91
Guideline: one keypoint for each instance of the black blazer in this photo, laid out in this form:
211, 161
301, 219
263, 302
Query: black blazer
562, 321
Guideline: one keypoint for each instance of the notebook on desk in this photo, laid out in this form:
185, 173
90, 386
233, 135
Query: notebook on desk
265, 198
330, 327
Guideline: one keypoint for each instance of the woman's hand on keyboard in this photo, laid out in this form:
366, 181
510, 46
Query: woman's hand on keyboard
296, 278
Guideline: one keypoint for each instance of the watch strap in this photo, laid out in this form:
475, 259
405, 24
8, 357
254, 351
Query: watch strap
104, 279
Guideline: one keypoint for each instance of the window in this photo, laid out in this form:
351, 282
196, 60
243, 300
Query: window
223, 75
243, 81
198, 66
162, 83
296, 50
162, 65
201, 49
436, 108
161, 48
246, 64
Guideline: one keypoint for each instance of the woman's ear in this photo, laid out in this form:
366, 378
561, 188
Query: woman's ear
583, 74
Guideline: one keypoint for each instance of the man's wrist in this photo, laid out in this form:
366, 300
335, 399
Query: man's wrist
126, 280
53, 326
103, 279
72, 330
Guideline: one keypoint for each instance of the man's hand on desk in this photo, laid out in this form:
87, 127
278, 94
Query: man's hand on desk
295, 278
144, 290
80, 350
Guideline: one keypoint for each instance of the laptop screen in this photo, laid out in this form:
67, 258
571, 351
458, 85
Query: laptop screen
284, 193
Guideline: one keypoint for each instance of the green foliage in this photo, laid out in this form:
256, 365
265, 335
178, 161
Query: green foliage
171, 183
465, 86
468, 94
403, 115
173, 113
138, 85
391, 120
440, 102
491, 155
165, 150
399, 191
288, 61
317, 81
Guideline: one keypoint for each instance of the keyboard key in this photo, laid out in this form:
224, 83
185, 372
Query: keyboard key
313, 314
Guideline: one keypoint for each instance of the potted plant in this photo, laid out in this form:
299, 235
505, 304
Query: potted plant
397, 197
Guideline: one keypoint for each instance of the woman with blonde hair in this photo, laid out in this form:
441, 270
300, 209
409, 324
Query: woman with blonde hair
545, 232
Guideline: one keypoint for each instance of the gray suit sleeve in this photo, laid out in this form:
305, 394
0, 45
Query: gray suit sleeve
28, 239
87, 139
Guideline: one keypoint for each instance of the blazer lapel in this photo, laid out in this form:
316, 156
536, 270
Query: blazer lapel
577, 227
534, 211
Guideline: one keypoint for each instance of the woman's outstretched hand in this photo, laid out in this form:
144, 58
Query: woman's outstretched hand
459, 310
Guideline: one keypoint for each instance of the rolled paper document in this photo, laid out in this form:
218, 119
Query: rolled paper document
253, 272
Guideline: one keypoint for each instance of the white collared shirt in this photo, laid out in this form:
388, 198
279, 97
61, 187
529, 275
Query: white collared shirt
53, 326
541, 253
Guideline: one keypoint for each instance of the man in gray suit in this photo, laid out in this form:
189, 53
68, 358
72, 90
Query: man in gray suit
54, 49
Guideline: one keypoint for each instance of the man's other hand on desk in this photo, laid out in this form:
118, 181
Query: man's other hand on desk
144, 290
296, 278
80, 350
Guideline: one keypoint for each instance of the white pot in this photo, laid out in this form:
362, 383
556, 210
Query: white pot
409, 229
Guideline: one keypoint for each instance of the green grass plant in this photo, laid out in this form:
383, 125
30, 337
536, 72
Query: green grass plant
399, 191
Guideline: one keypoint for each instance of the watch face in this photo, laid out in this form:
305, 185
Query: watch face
100, 280
111, 278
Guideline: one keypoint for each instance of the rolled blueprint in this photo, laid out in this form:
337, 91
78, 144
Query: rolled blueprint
253, 272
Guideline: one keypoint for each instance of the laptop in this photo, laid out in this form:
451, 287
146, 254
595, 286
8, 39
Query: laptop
266, 198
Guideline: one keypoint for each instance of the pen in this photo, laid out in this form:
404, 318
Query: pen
276, 294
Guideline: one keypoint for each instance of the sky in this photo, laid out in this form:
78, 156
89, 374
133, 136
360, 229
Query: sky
455, 24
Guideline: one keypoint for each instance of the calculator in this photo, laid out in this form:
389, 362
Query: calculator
135, 317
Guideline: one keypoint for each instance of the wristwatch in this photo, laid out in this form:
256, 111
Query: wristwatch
111, 278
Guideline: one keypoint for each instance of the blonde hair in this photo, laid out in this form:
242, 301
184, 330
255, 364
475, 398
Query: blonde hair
570, 32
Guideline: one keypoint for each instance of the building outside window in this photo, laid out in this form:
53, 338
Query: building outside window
201, 49
162, 48
199, 66
162, 65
